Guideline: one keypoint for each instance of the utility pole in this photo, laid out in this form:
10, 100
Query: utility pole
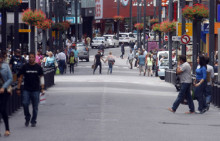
138, 21
118, 22
60, 20
170, 34
183, 4
44, 42
32, 46
50, 30
195, 41
145, 4
160, 20
211, 31
76, 20
16, 28
4, 25
155, 4
130, 16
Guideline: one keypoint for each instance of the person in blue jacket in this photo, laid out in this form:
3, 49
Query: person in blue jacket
5, 82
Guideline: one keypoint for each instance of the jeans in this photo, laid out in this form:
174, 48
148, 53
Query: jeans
61, 66
3, 108
100, 67
34, 97
110, 66
122, 54
200, 95
184, 93
208, 94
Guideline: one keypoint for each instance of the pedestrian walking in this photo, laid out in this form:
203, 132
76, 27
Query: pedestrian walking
72, 61
16, 62
210, 78
39, 58
200, 84
131, 58
149, 64
5, 82
61, 57
122, 50
50, 60
111, 62
76, 53
33, 78
97, 62
184, 72
102, 49
141, 62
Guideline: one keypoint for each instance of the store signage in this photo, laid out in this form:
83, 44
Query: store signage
166, 38
124, 2
98, 9
24, 30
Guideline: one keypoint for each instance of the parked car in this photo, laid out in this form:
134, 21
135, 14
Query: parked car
126, 38
162, 67
97, 41
112, 40
83, 51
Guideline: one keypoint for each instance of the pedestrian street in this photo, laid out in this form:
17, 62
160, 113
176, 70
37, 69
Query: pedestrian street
128, 107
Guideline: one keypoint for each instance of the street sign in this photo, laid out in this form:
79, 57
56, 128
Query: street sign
166, 38
185, 39
176, 38
24, 30
188, 29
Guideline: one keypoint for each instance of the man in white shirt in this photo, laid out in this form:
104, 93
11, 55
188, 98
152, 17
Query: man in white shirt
61, 57
209, 79
131, 58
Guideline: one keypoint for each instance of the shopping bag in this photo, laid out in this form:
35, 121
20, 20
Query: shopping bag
42, 98
93, 66
57, 71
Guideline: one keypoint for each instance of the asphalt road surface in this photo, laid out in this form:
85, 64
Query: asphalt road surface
119, 107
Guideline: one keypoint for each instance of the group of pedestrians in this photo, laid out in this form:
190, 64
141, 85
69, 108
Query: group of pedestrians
202, 84
31, 73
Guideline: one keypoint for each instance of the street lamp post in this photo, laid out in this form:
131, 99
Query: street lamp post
76, 20
183, 28
211, 31
130, 16
50, 30
16, 27
160, 19
4, 25
145, 4
32, 40
170, 33
118, 22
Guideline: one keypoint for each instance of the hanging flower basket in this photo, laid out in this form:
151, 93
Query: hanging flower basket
139, 26
195, 12
33, 17
118, 18
66, 25
156, 27
46, 24
153, 21
58, 27
168, 26
8, 4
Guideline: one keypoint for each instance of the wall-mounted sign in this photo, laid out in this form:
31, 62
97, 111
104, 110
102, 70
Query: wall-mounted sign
98, 9
124, 2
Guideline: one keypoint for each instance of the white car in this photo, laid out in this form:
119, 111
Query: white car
126, 38
162, 67
112, 40
97, 41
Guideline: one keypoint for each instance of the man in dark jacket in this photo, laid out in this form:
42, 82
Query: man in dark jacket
122, 50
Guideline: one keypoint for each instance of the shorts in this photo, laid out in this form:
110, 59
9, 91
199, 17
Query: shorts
149, 67
141, 67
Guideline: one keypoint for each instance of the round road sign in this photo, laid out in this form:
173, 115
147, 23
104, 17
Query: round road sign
166, 38
185, 39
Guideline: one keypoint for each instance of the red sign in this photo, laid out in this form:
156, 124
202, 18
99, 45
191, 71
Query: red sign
185, 39
166, 38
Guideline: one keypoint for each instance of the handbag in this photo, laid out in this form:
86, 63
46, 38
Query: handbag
42, 98
93, 66
57, 71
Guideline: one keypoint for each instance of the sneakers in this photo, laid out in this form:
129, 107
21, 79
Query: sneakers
33, 125
171, 110
27, 123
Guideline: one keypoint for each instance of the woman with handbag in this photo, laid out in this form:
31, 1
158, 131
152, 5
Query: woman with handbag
5, 81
